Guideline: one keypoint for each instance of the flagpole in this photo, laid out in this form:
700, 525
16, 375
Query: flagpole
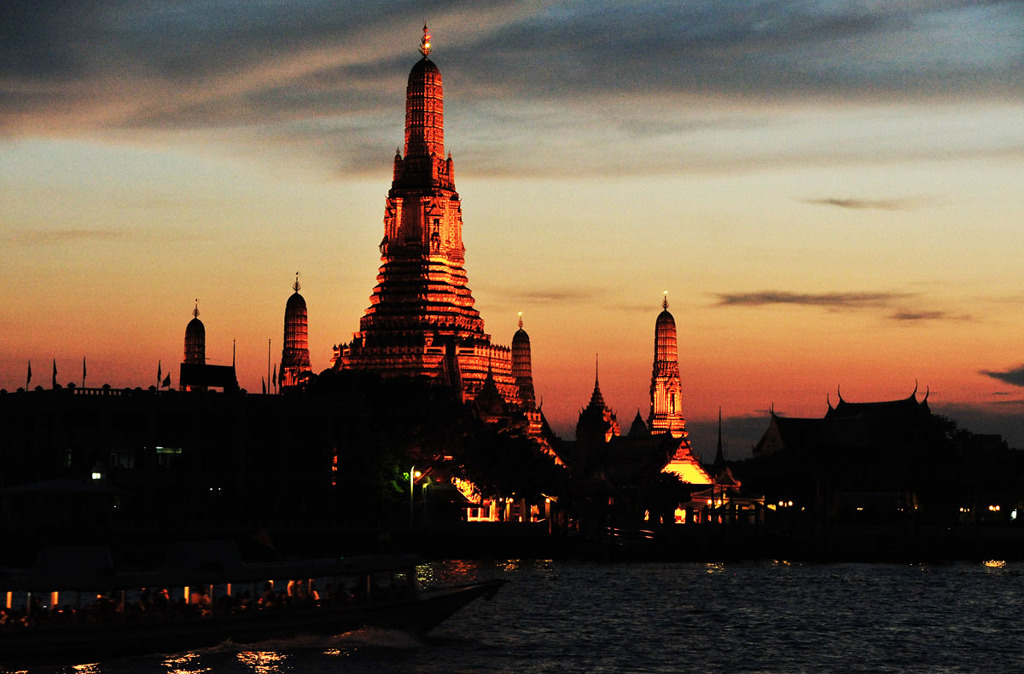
28, 377
83, 371
268, 359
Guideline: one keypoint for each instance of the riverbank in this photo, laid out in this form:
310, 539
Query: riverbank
838, 543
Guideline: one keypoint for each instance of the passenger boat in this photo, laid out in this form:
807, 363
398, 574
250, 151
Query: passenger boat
74, 607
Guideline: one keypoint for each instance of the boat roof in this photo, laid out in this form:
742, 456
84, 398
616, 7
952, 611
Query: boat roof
91, 568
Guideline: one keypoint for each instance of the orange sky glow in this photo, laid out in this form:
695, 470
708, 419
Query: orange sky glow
820, 223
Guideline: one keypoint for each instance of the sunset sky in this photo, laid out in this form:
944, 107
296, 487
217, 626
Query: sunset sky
831, 192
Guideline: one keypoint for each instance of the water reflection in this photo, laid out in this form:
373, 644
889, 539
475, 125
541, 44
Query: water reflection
262, 662
184, 663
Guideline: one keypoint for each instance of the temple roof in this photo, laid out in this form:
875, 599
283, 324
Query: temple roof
195, 328
638, 428
295, 301
851, 425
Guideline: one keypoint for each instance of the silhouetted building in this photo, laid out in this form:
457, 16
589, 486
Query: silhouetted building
866, 461
597, 422
195, 374
421, 320
295, 368
892, 424
195, 340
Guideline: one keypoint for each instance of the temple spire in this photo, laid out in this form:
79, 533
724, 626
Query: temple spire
719, 454
520, 320
425, 42
295, 286
666, 388
195, 311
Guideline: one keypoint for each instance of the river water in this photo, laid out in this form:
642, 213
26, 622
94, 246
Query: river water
566, 616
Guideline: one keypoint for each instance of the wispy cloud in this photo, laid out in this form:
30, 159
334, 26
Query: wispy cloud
877, 204
919, 316
1014, 376
552, 296
833, 301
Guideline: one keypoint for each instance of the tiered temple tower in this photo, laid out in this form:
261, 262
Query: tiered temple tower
522, 367
666, 391
295, 367
522, 370
421, 319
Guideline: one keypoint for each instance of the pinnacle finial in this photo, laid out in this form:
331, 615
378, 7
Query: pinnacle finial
520, 320
195, 311
596, 370
296, 286
664, 301
425, 42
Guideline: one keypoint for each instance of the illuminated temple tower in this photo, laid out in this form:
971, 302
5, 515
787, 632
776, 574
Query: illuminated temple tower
666, 398
421, 319
666, 414
295, 367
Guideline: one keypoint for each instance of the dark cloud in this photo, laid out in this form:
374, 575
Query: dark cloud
881, 204
1014, 377
1003, 417
833, 301
764, 48
86, 52
739, 435
916, 316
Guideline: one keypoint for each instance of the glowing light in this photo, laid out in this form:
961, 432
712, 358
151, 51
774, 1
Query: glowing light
262, 662
996, 563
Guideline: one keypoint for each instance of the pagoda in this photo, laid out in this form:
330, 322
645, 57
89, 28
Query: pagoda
666, 390
421, 320
295, 366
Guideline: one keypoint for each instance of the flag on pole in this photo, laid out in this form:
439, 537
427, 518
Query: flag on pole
159, 373
28, 379
273, 380
264, 382
54, 383
167, 381
83, 371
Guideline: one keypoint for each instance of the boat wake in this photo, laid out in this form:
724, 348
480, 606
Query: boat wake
372, 637
378, 637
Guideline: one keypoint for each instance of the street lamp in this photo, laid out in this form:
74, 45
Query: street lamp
413, 474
